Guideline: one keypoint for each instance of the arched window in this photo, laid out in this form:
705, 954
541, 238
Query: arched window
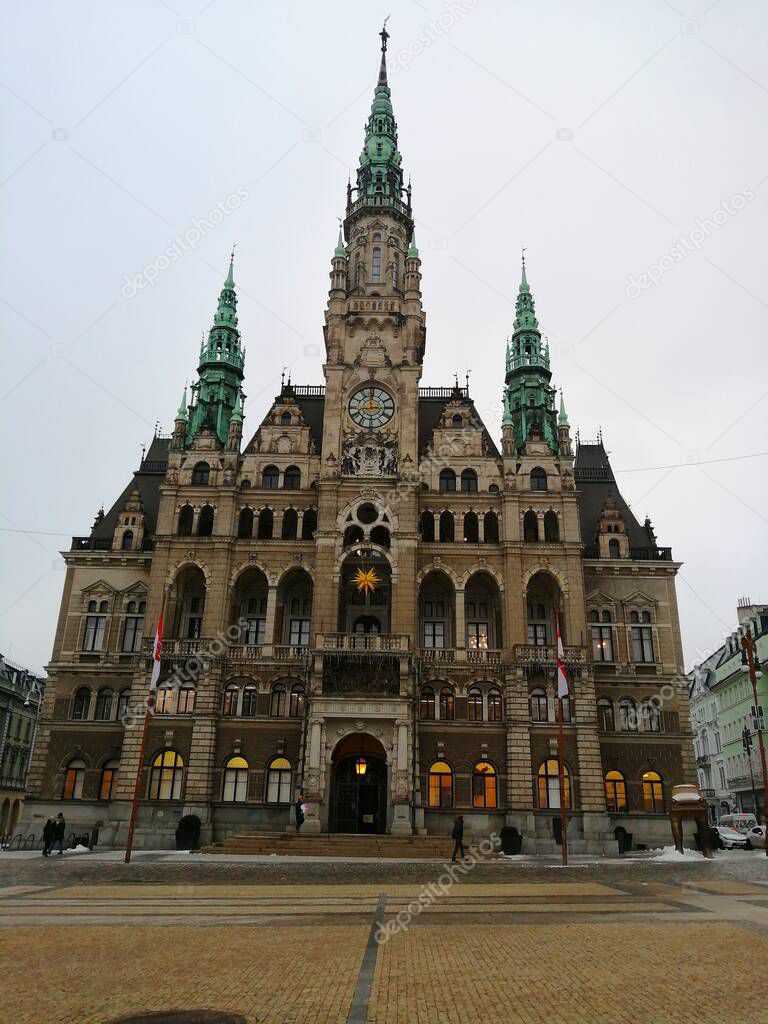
270, 478
446, 704
376, 264
456, 420
186, 704
627, 715
549, 784
491, 528
298, 701
614, 549
493, 489
653, 793
551, 528
277, 701
235, 789
201, 474
279, 781
447, 481
229, 706
446, 527
290, 527
427, 704
353, 535
245, 485
427, 527
74, 780
469, 481
539, 706
440, 785
186, 519
538, 479
127, 542
380, 535
285, 419
123, 703
166, 776
266, 524
605, 719
615, 792
108, 776
249, 701
494, 706
475, 704
205, 521
471, 528
103, 705
292, 479
483, 785
309, 524
245, 523
530, 528
81, 704
651, 716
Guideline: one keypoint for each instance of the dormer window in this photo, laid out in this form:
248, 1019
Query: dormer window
285, 419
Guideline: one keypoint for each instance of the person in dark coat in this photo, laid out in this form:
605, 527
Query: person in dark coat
299, 814
458, 837
59, 827
47, 837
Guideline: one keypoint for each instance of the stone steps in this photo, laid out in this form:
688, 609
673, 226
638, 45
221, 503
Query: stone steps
327, 845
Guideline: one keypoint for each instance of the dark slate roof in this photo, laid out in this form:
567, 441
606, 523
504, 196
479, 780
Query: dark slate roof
595, 482
147, 480
431, 409
313, 409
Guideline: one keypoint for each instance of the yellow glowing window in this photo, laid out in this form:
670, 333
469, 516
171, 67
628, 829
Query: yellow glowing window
484, 785
615, 792
440, 785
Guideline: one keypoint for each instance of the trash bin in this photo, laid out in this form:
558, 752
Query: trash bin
511, 840
188, 832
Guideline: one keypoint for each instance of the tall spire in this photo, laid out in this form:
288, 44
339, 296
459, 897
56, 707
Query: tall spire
182, 413
383, 67
563, 417
340, 250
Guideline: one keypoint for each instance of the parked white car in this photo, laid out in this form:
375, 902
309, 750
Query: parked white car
730, 838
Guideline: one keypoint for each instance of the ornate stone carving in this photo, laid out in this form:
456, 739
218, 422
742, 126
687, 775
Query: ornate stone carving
373, 455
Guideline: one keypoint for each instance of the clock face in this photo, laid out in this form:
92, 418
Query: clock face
371, 407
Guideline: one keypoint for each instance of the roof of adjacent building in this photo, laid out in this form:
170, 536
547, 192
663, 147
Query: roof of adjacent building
596, 483
146, 480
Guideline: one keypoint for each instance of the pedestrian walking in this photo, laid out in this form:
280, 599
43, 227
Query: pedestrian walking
299, 814
47, 837
59, 827
458, 837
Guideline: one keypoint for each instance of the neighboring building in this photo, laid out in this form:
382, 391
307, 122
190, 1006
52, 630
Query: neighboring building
707, 740
735, 699
360, 602
21, 694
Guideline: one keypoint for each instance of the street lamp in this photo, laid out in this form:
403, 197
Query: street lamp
361, 766
753, 667
746, 742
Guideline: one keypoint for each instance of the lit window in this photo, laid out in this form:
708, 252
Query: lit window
602, 643
279, 781
235, 788
615, 792
186, 700
108, 777
653, 793
166, 776
549, 784
483, 785
74, 780
440, 785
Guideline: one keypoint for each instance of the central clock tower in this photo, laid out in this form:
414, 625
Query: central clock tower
374, 321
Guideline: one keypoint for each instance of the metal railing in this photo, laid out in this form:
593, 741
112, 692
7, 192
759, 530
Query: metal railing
362, 642
532, 654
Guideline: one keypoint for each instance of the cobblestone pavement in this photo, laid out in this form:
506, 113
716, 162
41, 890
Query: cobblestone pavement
515, 949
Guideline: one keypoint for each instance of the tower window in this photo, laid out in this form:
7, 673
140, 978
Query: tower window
376, 264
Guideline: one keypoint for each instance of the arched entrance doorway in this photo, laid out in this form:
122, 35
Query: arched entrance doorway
358, 786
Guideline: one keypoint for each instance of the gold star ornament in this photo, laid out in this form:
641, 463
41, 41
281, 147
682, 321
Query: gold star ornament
366, 580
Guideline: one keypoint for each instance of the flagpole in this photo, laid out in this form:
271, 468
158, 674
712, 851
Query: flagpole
561, 752
142, 753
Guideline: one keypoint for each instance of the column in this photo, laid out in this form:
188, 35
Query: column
460, 640
269, 623
401, 819
312, 776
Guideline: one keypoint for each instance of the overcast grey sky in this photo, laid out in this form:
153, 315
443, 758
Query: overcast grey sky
614, 139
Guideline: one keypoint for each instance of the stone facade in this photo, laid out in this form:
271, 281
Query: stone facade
21, 693
391, 708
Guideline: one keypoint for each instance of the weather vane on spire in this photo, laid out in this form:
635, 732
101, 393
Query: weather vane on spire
523, 253
384, 34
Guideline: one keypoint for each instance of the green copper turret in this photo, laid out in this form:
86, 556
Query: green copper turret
216, 393
529, 398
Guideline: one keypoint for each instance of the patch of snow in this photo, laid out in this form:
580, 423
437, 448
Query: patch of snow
669, 853
79, 849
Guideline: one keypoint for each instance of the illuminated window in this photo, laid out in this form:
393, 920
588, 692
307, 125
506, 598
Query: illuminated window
108, 777
74, 780
615, 792
235, 780
446, 704
279, 781
164, 701
440, 785
166, 776
427, 704
549, 785
602, 643
653, 793
494, 706
483, 785
277, 703
186, 700
475, 705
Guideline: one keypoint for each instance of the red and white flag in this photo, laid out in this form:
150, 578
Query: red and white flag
157, 650
563, 689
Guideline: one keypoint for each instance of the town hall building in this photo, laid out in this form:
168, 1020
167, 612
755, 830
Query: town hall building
360, 598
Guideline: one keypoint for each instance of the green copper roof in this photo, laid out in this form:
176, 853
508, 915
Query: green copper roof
380, 172
182, 413
413, 252
340, 250
562, 419
237, 412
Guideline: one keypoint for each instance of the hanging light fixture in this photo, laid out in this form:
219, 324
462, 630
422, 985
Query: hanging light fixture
361, 766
